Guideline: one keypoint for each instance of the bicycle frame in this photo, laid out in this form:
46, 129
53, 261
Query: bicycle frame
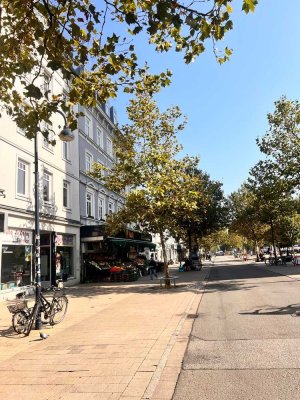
43, 308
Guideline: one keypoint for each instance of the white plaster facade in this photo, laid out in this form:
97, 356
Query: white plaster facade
59, 195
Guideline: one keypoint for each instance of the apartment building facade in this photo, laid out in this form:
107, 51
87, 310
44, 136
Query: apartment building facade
95, 139
58, 195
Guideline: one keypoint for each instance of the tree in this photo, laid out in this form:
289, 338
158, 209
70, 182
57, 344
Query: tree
273, 196
83, 42
210, 214
221, 239
281, 143
160, 188
288, 230
245, 217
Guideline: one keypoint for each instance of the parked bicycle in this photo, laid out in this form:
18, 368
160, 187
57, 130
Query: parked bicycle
52, 311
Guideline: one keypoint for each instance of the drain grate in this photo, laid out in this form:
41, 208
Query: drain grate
192, 316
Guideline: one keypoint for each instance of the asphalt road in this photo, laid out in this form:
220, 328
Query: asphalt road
245, 343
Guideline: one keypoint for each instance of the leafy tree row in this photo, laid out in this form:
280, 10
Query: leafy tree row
266, 208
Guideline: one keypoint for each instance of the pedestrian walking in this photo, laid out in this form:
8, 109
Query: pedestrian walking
152, 268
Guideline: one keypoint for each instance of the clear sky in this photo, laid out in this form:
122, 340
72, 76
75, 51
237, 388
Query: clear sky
227, 105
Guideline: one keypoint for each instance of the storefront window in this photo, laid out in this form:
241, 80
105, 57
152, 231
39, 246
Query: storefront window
64, 256
16, 265
65, 269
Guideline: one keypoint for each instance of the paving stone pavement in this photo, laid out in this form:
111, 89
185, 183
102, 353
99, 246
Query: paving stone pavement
118, 341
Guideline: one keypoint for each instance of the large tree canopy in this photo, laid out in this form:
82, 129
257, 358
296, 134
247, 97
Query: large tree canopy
281, 143
147, 162
82, 40
210, 215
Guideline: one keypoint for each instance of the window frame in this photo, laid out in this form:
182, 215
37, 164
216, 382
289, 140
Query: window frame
26, 178
102, 214
88, 154
66, 155
46, 144
100, 137
68, 188
88, 127
50, 183
112, 210
91, 193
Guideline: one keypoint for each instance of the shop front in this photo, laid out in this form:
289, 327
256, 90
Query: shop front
100, 251
16, 258
64, 256
57, 257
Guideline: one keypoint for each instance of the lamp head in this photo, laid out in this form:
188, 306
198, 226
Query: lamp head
66, 135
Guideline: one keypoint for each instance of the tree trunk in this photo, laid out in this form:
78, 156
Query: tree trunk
166, 266
273, 241
256, 244
190, 242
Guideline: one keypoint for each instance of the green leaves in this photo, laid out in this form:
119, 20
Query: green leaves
147, 151
33, 92
80, 40
249, 5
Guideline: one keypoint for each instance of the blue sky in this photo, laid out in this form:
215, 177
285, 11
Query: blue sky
227, 105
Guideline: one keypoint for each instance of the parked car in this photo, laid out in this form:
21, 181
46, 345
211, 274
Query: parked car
220, 253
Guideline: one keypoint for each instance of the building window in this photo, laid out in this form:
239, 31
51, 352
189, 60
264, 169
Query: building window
109, 147
88, 161
101, 208
90, 204
66, 194
66, 150
46, 85
47, 180
88, 127
22, 178
111, 208
99, 137
50, 137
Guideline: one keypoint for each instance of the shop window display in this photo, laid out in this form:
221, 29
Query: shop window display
64, 262
16, 265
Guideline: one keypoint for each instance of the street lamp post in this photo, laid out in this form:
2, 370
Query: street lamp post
66, 136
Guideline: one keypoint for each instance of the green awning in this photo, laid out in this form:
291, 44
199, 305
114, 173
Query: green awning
130, 242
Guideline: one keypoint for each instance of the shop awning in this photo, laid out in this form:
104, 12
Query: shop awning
131, 242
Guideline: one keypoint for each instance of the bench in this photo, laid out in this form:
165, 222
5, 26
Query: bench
164, 279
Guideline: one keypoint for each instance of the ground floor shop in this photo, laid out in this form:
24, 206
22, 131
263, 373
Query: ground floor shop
103, 254
59, 256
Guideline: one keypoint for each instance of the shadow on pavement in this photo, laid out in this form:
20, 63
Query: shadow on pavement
291, 309
242, 271
9, 333
225, 287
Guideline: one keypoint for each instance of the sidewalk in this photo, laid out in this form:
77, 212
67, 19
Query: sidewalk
118, 341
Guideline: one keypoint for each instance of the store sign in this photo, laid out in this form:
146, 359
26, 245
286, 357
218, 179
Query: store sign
64, 240
17, 236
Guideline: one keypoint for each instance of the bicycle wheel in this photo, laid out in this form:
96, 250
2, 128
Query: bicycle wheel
59, 309
21, 321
